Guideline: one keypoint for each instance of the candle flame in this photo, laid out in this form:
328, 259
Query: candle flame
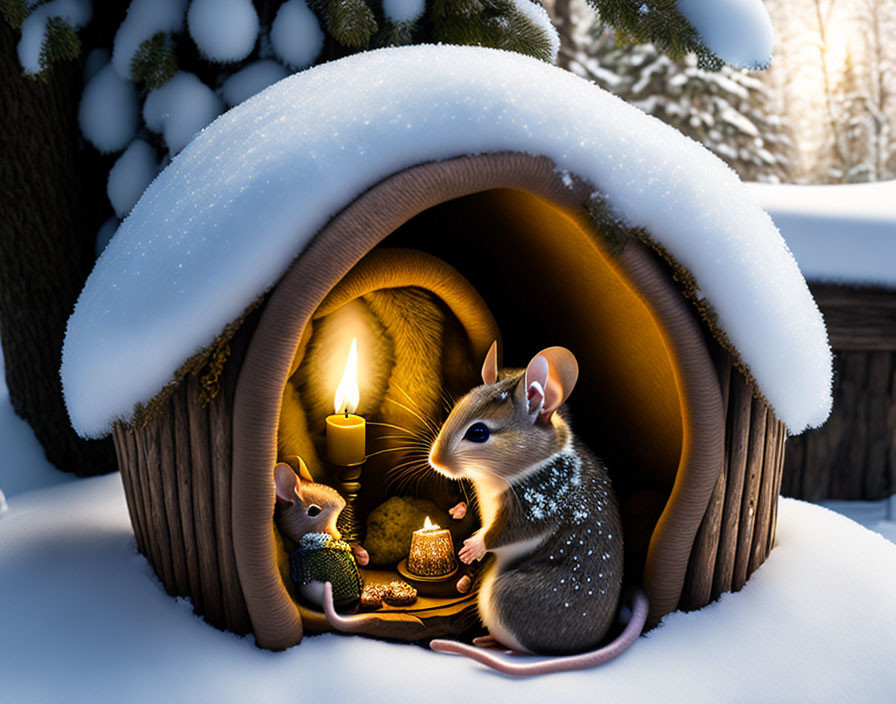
429, 525
347, 394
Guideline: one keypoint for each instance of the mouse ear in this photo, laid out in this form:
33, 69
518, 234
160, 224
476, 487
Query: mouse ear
286, 483
490, 365
550, 378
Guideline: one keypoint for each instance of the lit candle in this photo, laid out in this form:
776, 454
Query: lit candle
345, 430
432, 551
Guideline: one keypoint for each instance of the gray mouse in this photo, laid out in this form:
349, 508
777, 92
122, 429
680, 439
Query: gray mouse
306, 508
549, 515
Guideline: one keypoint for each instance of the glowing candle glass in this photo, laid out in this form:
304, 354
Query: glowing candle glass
432, 551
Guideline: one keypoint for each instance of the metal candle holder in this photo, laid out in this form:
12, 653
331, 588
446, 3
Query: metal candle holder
348, 484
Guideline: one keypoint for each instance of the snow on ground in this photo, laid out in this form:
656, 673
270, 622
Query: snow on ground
226, 218
840, 234
879, 516
84, 619
738, 31
23, 465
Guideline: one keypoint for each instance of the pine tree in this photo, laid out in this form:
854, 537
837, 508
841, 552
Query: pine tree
49, 196
851, 103
726, 110
878, 22
657, 22
835, 74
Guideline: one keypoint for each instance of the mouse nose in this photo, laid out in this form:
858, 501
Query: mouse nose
438, 461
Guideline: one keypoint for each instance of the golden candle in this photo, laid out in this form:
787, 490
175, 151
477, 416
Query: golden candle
345, 430
432, 551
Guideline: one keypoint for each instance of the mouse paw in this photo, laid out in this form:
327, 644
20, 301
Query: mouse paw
362, 557
488, 641
473, 549
459, 511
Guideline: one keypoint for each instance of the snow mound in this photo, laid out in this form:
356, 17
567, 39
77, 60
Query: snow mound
131, 174
23, 463
221, 224
296, 36
839, 234
76, 13
144, 20
180, 109
737, 31
108, 110
251, 80
816, 623
224, 30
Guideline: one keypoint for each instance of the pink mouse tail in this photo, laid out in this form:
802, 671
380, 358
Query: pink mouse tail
561, 663
349, 624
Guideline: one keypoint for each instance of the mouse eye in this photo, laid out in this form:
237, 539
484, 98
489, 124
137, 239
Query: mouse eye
478, 432
314, 510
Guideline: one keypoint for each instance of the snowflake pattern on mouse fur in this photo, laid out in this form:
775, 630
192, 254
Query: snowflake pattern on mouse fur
555, 491
577, 569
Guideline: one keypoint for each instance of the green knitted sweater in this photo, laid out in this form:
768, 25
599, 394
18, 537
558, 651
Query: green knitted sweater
322, 558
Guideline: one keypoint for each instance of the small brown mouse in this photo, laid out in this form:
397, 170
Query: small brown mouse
305, 507
549, 515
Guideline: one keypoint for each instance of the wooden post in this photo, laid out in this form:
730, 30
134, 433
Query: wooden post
853, 455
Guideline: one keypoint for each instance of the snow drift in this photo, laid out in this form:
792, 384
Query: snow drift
842, 234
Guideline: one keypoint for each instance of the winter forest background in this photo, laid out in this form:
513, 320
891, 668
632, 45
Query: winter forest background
823, 112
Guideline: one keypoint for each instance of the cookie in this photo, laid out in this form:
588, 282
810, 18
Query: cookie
400, 594
372, 595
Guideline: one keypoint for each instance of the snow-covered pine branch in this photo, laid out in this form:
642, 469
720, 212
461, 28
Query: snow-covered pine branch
177, 64
728, 110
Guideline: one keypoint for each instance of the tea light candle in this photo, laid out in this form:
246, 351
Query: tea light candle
432, 551
345, 430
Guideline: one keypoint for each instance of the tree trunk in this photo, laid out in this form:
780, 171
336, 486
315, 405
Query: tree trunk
51, 196
561, 14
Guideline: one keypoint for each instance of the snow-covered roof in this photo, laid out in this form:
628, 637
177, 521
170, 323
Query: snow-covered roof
838, 234
222, 223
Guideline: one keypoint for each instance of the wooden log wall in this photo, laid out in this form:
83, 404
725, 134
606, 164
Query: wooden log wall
738, 529
176, 473
853, 455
